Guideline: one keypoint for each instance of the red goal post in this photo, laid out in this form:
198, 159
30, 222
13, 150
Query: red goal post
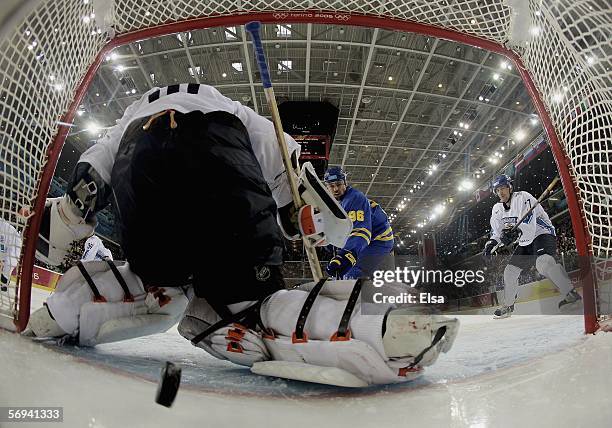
51, 49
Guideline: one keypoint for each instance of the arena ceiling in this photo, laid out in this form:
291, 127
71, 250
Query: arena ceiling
421, 119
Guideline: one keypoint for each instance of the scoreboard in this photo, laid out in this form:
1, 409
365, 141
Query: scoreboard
313, 125
314, 146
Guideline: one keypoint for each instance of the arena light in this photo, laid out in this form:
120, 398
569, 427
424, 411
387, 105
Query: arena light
519, 135
92, 127
466, 184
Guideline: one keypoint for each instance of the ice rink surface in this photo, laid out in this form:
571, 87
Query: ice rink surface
527, 371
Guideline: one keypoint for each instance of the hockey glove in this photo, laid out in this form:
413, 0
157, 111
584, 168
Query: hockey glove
341, 264
508, 236
488, 248
62, 225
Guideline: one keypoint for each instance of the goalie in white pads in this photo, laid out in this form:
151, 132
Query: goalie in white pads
177, 156
537, 243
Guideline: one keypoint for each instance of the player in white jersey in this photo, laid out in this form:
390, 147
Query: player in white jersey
10, 250
189, 169
95, 250
537, 243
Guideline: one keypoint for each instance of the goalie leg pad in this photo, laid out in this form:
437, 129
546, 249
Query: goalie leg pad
75, 312
42, 324
308, 373
407, 333
73, 291
234, 342
112, 322
354, 356
365, 355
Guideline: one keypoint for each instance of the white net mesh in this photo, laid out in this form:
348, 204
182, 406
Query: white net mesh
44, 58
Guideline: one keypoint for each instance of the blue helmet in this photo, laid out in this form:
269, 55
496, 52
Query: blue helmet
334, 173
502, 181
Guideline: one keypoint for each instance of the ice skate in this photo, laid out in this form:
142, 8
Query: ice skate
571, 300
503, 312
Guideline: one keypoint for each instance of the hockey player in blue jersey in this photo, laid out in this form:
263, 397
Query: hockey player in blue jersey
370, 244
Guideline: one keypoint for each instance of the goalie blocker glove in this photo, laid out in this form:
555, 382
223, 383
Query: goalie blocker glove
341, 263
322, 220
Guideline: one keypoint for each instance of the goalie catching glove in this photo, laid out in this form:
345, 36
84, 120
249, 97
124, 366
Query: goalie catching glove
71, 218
322, 220
62, 225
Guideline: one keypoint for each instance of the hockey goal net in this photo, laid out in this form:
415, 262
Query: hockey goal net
50, 50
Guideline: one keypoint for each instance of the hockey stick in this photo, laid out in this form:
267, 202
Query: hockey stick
543, 196
253, 28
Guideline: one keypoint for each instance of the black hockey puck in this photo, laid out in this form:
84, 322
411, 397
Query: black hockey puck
169, 383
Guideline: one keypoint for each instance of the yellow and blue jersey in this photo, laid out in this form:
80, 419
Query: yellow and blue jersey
371, 227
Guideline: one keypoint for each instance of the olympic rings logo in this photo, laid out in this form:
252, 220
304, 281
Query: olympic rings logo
342, 17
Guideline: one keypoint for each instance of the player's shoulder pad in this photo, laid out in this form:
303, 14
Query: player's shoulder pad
358, 196
525, 196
